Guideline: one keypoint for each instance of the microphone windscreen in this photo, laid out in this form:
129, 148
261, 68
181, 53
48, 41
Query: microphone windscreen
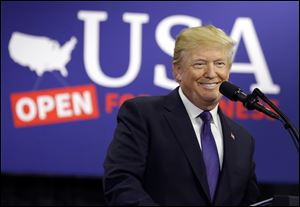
229, 90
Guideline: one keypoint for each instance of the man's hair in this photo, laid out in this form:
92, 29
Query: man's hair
206, 36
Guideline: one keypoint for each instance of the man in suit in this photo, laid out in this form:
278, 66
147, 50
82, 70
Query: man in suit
158, 155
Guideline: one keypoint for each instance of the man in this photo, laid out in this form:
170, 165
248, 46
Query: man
165, 151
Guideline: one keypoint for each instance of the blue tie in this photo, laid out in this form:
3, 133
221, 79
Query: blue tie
210, 153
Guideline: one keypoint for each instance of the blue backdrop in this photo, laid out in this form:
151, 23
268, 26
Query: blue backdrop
123, 49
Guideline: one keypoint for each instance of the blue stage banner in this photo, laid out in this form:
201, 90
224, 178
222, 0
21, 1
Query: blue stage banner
66, 67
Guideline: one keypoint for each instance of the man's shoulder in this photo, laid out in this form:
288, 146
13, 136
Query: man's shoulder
142, 100
143, 105
147, 98
153, 99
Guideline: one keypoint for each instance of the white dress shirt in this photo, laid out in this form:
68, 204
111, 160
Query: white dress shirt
216, 127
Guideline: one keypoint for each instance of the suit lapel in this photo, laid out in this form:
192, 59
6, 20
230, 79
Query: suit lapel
183, 130
224, 194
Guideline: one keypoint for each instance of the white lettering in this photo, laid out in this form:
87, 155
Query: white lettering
26, 117
244, 28
82, 103
63, 105
166, 43
91, 47
44, 104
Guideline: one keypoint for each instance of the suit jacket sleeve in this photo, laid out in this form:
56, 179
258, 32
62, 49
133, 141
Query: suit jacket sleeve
252, 191
125, 162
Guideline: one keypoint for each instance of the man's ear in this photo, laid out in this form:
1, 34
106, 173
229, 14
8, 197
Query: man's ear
177, 72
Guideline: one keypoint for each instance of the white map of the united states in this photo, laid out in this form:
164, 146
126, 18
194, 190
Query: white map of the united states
40, 53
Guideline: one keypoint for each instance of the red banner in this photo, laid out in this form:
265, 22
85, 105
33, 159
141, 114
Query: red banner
54, 105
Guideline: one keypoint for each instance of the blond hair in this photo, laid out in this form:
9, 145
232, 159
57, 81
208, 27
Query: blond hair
206, 36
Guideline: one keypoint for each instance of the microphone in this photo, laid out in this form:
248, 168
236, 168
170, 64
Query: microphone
234, 93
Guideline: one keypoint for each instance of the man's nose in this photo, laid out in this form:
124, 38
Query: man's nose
211, 70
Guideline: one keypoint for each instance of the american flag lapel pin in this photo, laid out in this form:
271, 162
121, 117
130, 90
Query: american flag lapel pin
232, 136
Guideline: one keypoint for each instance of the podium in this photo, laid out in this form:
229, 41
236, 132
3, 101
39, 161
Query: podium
279, 200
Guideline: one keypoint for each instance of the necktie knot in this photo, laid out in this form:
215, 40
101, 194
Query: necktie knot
206, 116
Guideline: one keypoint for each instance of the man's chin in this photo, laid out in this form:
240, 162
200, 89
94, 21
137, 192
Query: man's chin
214, 100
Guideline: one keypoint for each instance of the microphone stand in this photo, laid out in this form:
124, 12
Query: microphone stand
252, 98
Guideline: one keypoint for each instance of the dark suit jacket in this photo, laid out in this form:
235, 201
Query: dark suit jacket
155, 158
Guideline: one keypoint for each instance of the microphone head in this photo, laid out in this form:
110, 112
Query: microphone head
229, 90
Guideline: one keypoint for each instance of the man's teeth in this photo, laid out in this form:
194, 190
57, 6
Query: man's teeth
209, 85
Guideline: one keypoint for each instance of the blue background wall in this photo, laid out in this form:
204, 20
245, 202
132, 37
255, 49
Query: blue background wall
79, 147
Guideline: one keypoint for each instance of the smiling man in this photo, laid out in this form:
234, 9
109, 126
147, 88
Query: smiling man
180, 149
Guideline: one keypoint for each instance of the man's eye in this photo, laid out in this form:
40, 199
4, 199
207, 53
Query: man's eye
220, 64
199, 65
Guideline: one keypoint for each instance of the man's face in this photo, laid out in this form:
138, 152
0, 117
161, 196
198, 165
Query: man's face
201, 72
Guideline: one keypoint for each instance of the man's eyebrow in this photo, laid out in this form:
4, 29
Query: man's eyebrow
199, 59
221, 59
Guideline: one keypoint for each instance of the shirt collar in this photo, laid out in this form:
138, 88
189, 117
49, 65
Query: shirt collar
192, 110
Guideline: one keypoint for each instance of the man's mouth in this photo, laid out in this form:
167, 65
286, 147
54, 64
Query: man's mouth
209, 85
